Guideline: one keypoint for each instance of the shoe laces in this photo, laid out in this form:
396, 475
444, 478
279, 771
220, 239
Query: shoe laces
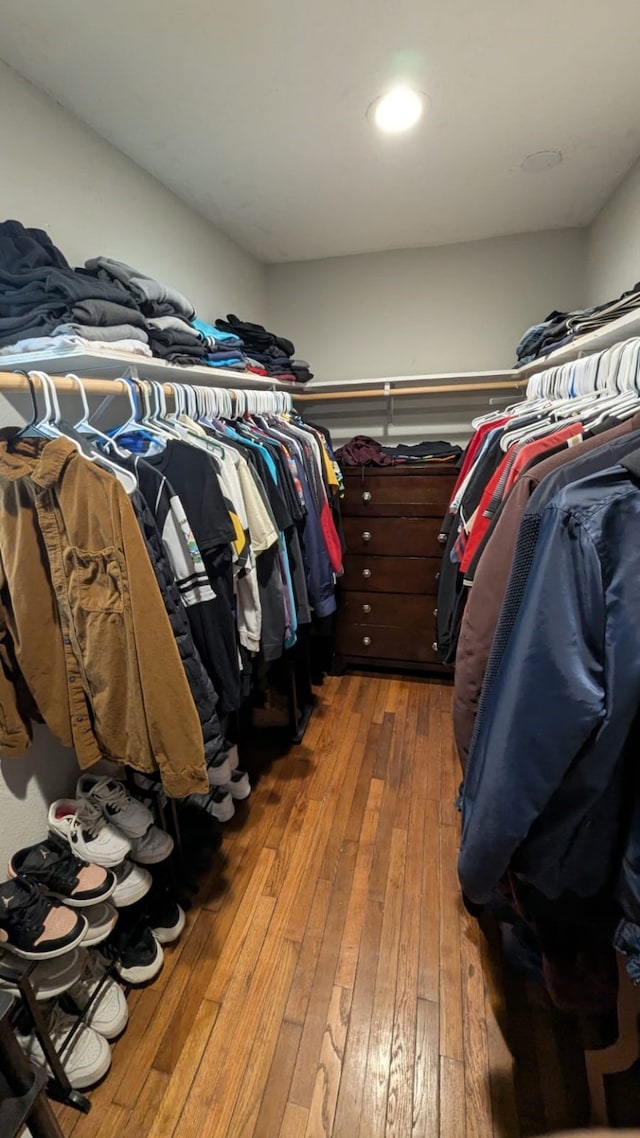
93, 971
88, 818
60, 1023
28, 905
59, 869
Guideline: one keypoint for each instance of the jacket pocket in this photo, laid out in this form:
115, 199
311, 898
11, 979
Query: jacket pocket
97, 580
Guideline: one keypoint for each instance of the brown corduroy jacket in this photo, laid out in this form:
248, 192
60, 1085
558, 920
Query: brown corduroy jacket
84, 634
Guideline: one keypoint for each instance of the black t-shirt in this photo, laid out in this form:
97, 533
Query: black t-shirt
193, 475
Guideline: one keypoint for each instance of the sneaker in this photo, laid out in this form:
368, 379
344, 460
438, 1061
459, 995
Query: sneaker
239, 786
86, 1060
34, 927
220, 804
167, 922
133, 883
234, 757
60, 874
48, 979
101, 923
91, 838
108, 1014
116, 804
219, 772
140, 960
154, 847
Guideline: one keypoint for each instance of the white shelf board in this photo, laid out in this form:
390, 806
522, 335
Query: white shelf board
112, 365
624, 328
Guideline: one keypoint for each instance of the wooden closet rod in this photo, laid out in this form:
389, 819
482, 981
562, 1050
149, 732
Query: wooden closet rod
434, 389
14, 381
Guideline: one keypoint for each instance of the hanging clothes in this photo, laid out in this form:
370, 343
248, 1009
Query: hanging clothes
84, 629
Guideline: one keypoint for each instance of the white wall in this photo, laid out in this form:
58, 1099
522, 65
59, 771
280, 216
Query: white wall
60, 176
414, 311
613, 243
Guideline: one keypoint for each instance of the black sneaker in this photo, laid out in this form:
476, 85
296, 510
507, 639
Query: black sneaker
60, 874
139, 956
167, 921
34, 927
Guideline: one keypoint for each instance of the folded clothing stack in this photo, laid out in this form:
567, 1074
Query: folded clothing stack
560, 328
42, 297
267, 354
166, 312
224, 349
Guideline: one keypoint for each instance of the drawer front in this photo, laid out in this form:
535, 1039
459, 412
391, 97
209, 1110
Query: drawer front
394, 495
389, 610
386, 643
402, 537
391, 574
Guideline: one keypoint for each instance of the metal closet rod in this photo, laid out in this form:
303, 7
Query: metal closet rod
433, 389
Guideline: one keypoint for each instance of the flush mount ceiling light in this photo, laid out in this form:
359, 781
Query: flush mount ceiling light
398, 110
541, 160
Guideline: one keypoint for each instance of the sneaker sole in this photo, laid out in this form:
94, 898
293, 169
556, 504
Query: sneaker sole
224, 813
147, 859
167, 936
82, 1081
239, 796
48, 954
142, 973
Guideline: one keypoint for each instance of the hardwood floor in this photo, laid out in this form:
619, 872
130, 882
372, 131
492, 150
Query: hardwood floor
329, 981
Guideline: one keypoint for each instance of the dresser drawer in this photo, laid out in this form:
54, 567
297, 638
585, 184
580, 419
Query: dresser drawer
402, 537
386, 643
390, 610
391, 574
390, 495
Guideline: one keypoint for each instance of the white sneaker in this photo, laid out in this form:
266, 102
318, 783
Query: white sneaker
239, 786
219, 773
48, 979
102, 921
133, 883
86, 1060
221, 805
90, 836
155, 846
117, 805
109, 1013
234, 757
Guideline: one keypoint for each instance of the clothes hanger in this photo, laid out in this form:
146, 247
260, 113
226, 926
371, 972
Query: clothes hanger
85, 427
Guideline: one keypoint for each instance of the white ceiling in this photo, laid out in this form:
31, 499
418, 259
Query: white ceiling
254, 111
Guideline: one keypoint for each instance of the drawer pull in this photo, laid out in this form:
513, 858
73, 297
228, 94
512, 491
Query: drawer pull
366, 608
366, 572
366, 497
435, 612
435, 646
366, 640
366, 535
442, 538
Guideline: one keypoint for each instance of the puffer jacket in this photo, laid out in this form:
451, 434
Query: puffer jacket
202, 689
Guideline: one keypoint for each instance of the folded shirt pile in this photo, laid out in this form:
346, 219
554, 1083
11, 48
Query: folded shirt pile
266, 353
560, 328
40, 292
364, 451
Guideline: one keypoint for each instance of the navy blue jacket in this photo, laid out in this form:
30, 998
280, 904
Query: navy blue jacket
547, 783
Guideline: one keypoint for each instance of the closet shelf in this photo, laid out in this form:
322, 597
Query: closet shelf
112, 365
624, 328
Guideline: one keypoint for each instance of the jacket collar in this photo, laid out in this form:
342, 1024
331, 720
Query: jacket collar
41, 460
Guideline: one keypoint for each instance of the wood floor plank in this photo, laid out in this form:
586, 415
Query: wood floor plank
383, 745
294, 1123
170, 1105
325, 1092
426, 1079
479, 1117
430, 916
451, 1023
126, 1078
316, 980
309, 950
376, 1080
140, 1119
349, 1107
452, 1108
276, 1091
350, 945
225, 965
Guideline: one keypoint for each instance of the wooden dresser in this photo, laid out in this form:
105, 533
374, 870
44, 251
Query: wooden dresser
387, 597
